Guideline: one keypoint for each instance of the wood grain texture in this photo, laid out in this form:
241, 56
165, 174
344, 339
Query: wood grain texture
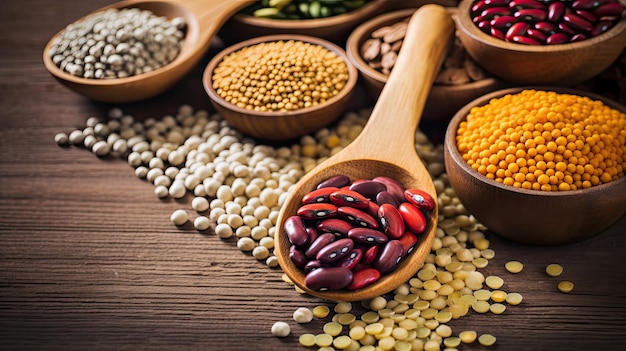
89, 259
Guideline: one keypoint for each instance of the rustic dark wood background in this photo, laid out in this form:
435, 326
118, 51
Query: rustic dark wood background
90, 260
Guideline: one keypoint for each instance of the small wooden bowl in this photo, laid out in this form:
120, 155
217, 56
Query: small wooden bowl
527, 216
336, 28
443, 101
519, 64
280, 125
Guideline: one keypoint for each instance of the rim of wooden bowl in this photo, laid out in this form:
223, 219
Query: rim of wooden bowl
92, 88
299, 113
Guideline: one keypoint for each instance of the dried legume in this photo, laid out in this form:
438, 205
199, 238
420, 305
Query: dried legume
542, 140
281, 329
117, 43
301, 9
565, 286
545, 22
283, 75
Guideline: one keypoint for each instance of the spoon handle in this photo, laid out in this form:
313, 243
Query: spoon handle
391, 127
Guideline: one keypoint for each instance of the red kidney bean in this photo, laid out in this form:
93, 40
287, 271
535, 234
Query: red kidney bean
363, 277
578, 22
337, 181
297, 256
555, 11
367, 236
349, 198
578, 19
312, 233
318, 244
391, 221
503, 22
370, 255
537, 35
518, 28
524, 40
601, 27
358, 217
335, 250
584, 4
312, 265
546, 27
420, 198
533, 4
352, 259
317, 211
408, 240
609, 9
296, 231
496, 33
368, 188
414, 219
389, 256
336, 226
328, 278
385, 197
558, 38
587, 15
372, 208
566, 28
345, 228
393, 186
319, 195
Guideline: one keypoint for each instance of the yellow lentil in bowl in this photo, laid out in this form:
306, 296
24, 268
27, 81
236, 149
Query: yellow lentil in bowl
543, 140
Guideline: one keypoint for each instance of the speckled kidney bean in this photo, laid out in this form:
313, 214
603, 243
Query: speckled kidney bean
337, 226
335, 250
363, 277
341, 233
548, 22
318, 244
389, 257
328, 278
296, 231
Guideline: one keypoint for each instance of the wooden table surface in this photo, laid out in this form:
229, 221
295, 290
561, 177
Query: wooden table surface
90, 260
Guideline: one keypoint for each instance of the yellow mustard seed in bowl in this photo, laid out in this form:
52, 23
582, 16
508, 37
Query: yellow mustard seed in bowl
543, 140
283, 75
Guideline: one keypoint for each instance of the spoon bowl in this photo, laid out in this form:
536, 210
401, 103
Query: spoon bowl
385, 147
203, 19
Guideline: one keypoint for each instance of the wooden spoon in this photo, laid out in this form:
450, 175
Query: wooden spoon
385, 147
203, 17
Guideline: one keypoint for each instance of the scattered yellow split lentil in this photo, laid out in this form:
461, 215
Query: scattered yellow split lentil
280, 76
467, 336
554, 270
321, 311
543, 140
514, 266
494, 282
565, 286
487, 339
514, 298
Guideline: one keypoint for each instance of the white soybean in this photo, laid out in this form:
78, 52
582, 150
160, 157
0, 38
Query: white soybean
302, 315
201, 223
179, 217
281, 329
246, 244
224, 231
200, 204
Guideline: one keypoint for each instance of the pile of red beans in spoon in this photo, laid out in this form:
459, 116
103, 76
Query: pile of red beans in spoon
545, 22
346, 235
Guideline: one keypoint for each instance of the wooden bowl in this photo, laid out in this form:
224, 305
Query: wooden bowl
529, 216
519, 64
281, 125
336, 28
443, 101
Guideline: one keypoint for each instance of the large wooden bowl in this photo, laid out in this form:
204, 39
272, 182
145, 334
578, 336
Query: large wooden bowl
281, 125
336, 28
527, 216
519, 64
443, 101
